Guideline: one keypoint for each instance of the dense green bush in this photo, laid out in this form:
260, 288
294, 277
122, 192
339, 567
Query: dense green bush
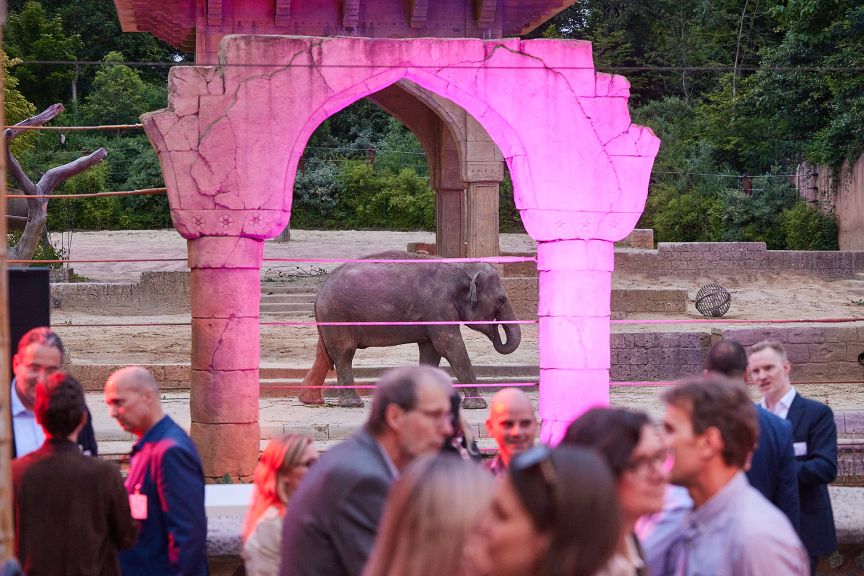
806, 228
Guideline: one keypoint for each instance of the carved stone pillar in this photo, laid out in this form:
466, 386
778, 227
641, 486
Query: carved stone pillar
225, 293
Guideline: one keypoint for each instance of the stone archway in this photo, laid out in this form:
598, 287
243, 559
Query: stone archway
229, 145
466, 168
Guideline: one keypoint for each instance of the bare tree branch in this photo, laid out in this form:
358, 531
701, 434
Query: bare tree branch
42, 118
56, 176
38, 207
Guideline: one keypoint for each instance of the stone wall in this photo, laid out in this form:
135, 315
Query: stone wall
839, 192
726, 257
822, 353
154, 293
522, 292
657, 356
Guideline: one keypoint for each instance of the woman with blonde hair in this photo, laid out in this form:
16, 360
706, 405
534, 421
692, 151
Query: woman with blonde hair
431, 511
283, 464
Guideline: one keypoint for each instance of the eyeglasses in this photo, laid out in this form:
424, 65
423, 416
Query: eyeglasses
536, 462
438, 416
642, 465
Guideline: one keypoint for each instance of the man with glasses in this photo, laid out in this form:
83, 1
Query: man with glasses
333, 516
512, 424
40, 354
711, 428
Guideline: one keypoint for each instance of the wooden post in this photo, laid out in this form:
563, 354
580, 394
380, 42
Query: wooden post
7, 532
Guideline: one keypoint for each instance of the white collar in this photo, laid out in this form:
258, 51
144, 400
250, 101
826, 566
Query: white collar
784, 403
16, 405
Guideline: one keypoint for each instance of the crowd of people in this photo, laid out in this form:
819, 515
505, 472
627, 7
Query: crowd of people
720, 486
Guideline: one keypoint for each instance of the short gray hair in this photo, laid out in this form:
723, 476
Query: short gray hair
399, 386
774, 345
44, 336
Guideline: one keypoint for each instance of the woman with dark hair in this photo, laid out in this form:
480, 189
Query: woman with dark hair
285, 461
636, 454
554, 514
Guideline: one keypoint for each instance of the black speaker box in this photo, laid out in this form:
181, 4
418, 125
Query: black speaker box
29, 303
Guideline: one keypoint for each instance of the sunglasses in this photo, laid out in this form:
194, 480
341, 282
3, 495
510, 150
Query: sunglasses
533, 475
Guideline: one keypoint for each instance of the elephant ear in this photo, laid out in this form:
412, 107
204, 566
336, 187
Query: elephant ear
472, 291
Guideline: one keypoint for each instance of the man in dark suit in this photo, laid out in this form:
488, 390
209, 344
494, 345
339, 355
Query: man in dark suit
40, 354
165, 481
71, 511
815, 443
773, 469
333, 516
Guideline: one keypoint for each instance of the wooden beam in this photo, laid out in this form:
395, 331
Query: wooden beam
283, 12
484, 12
214, 12
350, 13
417, 17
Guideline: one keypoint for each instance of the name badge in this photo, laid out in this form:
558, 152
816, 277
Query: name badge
800, 448
138, 504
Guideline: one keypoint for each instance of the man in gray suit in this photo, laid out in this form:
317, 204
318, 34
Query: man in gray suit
333, 517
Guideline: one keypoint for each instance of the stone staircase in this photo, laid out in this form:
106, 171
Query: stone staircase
278, 298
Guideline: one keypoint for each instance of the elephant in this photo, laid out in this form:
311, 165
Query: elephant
396, 292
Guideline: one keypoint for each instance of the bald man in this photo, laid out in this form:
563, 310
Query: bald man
165, 481
512, 424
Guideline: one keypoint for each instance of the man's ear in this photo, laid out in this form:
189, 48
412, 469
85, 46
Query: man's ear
713, 441
787, 367
16, 361
394, 415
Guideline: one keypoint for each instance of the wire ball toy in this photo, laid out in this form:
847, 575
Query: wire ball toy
713, 300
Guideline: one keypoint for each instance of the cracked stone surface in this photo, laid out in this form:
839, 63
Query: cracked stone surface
233, 134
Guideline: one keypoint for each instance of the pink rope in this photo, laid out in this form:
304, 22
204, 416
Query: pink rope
419, 323
370, 386
722, 321
486, 259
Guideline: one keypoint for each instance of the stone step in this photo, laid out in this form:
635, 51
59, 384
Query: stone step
290, 387
288, 307
299, 298
273, 288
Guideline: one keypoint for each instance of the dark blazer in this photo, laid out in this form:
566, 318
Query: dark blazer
333, 516
71, 512
813, 423
165, 467
86, 438
773, 470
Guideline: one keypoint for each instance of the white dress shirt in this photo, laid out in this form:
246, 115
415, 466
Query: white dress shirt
781, 409
29, 435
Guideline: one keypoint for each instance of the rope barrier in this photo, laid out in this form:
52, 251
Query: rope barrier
141, 192
96, 261
488, 260
733, 321
397, 323
485, 259
76, 128
371, 386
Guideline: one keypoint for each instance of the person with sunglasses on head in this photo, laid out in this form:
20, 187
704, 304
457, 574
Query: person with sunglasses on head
333, 516
555, 513
732, 529
285, 461
635, 451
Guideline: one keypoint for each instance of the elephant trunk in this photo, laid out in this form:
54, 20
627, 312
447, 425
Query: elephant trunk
511, 331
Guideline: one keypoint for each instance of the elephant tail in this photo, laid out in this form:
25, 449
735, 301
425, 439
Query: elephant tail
311, 393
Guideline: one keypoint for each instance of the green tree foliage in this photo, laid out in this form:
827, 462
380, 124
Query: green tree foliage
31, 34
16, 107
120, 95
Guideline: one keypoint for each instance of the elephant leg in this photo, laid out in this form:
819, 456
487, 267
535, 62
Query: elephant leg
348, 397
449, 344
311, 392
428, 354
